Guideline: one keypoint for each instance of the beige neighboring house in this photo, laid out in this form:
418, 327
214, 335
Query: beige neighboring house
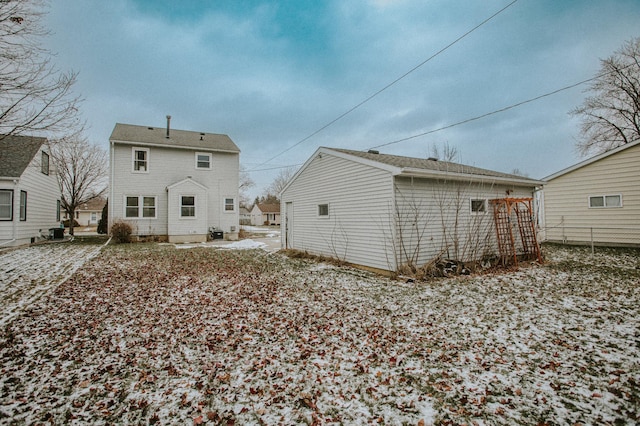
596, 200
265, 214
88, 214
386, 211
29, 191
245, 216
174, 184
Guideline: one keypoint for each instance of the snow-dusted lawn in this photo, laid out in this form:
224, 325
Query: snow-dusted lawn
153, 334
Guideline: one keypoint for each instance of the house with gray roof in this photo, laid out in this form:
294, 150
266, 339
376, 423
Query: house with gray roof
29, 191
173, 184
386, 211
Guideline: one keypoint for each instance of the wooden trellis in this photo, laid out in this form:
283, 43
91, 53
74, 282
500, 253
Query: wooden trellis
504, 210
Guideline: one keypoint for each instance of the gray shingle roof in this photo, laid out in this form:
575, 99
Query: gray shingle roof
16, 152
429, 164
143, 135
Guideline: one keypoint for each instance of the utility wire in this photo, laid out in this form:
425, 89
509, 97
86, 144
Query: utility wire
390, 84
497, 111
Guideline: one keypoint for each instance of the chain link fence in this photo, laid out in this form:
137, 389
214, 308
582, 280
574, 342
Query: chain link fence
591, 236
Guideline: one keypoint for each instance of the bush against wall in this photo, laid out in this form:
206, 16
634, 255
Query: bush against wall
121, 232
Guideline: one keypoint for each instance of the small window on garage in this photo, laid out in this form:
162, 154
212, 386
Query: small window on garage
478, 206
323, 210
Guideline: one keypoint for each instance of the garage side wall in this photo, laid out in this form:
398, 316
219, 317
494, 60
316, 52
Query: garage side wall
358, 227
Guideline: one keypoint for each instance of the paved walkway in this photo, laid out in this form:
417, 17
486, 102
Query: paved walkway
27, 274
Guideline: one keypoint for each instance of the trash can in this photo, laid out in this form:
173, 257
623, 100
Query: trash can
56, 233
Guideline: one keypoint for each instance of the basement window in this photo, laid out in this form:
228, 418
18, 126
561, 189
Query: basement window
605, 201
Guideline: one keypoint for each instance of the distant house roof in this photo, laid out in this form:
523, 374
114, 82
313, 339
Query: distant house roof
157, 136
16, 152
243, 211
93, 205
592, 160
269, 208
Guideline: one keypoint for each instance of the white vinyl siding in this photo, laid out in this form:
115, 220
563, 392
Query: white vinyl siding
569, 215
358, 229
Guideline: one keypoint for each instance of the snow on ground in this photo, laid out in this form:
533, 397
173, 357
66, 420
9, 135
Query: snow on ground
27, 274
150, 334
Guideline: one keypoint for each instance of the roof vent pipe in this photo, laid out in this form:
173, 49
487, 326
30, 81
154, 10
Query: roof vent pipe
168, 125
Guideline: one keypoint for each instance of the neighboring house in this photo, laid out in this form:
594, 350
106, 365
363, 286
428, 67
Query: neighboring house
596, 200
173, 183
245, 216
88, 214
265, 214
29, 191
386, 211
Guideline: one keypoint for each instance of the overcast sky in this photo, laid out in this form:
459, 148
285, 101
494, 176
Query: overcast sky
272, 73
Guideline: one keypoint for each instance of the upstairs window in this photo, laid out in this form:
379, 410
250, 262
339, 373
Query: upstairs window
605, 201
140, 160
203, 161
187, 206
6, 204
44, 166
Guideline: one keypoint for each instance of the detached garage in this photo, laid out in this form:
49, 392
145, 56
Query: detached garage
385, 211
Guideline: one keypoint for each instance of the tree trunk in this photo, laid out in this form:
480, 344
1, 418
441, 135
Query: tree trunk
72, 220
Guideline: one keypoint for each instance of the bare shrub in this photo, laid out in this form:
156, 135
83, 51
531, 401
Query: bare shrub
121, 232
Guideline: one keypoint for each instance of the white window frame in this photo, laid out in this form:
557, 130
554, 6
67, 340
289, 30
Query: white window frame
323, 216
10, 205
140, 207
208, 154
604, 201
484, 206
44, 163
134, 159
232, 204
23, 206
182, 206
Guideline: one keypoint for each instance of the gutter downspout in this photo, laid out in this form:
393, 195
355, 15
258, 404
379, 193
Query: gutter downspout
111, 177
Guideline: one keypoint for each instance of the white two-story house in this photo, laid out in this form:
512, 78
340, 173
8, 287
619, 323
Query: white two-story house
173, 184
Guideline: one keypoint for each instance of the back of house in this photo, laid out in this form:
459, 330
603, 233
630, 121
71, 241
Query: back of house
29, 191
173, 184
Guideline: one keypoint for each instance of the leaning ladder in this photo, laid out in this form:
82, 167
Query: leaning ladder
504, 232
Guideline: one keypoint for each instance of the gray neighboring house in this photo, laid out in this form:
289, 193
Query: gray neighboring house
386, 211
596, 200
29, 191
173, 184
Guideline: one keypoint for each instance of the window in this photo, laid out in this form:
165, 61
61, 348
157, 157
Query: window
323, 210
23, 205
229, 205
6, 204
140, 207
94, 217
44, 166
478, 206
57, 210
605, 201
203, 161
140, 160
187, 206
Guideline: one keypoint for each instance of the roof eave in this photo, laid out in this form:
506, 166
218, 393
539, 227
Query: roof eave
436, 174
187, 147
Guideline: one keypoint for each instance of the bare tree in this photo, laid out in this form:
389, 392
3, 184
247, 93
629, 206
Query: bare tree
611, 115
35, 97
445, 153
81, 170
281, 180
245, 183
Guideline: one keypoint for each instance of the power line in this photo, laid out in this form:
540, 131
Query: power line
390, 84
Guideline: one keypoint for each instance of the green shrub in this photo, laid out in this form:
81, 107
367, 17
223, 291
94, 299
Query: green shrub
121, 232
103, 223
